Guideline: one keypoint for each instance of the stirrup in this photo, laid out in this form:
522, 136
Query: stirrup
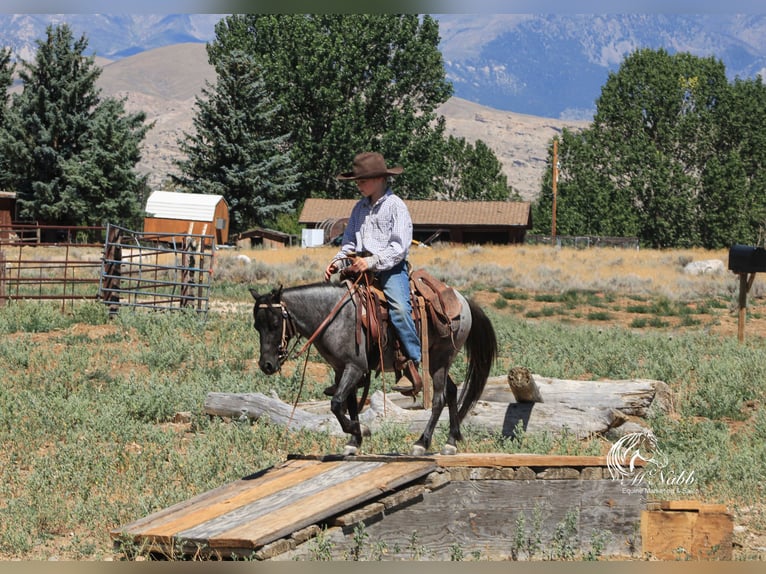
413, 377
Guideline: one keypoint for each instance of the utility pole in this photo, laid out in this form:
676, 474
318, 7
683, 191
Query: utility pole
555, 178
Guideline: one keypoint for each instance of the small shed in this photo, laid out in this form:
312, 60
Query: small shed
174, 212
7, 212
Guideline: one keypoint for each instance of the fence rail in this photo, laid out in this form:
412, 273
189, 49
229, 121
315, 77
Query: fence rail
117, 266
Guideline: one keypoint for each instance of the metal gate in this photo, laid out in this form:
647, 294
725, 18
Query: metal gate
51, 263
156, 270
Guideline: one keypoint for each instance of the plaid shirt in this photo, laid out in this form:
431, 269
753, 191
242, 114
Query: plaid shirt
383, 229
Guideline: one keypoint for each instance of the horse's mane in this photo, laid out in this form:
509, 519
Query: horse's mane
313, 286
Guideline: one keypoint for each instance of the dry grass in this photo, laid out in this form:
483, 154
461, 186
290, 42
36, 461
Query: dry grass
540, 268
644, 288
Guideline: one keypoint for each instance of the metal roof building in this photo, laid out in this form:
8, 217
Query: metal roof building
454, 221
196, 213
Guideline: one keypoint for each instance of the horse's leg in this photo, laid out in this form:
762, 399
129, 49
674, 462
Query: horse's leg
439, 377
454, 422
344, 400
355, 439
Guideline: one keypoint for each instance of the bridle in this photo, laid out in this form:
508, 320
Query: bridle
288, 324
288, 330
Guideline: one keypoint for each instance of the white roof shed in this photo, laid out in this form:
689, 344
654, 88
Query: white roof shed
187, 206
173, 212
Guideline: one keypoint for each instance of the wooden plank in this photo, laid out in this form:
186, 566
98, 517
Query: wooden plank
472, 459
227, 508
681, 535
337, 473
319, 504
483, 515
692, 505
224, 492
510, 459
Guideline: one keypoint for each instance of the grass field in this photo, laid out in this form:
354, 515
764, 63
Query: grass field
105, 415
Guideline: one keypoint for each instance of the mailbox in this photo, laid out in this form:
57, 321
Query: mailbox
747, 259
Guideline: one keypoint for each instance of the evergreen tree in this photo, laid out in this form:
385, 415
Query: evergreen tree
349, 83
70, 153
99, 184
7, 68
237, 150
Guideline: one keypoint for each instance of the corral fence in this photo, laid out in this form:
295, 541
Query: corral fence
46, 262
582, 241
120, 267
156, 270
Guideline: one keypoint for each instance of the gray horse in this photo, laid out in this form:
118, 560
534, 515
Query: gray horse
326, 314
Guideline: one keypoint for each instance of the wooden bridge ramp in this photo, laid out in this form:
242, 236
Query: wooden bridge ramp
244, 515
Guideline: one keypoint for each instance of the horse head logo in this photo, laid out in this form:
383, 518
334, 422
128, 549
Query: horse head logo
633, 450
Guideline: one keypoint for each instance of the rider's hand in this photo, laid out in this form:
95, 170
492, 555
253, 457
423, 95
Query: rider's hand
331, 268
358, 266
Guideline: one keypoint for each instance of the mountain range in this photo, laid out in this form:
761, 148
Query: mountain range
550, 65
518, 79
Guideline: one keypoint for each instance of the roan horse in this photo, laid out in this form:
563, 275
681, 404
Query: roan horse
327, 314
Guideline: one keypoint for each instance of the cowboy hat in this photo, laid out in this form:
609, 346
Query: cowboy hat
368, 165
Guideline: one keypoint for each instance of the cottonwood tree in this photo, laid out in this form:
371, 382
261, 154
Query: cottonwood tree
346, 83
69, 153
641, 168
733, 196
472, 172
237, 150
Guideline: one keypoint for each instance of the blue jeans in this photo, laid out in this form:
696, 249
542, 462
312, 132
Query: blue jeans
395, 283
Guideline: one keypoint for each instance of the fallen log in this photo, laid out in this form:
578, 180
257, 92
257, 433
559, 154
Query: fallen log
254, 406
518, 400
490, 416
494, 416
634, 397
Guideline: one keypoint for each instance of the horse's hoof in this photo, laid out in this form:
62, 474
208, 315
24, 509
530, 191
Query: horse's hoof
349, 450
418, 450
449, 449
365, 430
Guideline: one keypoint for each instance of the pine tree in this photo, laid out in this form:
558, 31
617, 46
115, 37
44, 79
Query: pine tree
71, 153
7, 68
236, 150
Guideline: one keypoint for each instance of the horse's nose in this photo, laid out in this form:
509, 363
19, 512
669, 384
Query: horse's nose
267, 366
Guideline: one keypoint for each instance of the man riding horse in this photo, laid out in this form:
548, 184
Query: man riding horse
377, 239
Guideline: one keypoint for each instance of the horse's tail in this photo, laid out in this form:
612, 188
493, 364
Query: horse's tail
481, 351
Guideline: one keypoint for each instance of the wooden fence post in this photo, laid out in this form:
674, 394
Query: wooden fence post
2, 278
112, 269
745, 283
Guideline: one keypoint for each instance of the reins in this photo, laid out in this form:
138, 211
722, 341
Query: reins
330, 316
289, 331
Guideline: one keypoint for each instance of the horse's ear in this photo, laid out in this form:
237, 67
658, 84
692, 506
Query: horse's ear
277, 293
254, 293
